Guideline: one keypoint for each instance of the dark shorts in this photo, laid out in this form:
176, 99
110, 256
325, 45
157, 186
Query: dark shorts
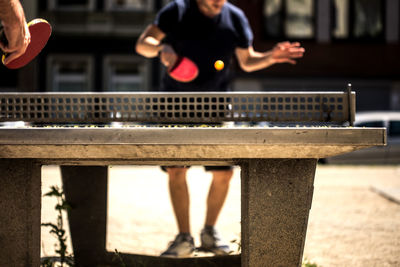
207, 168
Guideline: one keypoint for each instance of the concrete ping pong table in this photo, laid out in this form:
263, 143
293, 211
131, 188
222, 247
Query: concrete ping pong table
277, 160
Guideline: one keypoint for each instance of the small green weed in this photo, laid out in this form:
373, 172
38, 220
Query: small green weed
58, 231
307, 263
118, 257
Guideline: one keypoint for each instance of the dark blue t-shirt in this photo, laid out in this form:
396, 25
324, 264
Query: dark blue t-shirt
204, 40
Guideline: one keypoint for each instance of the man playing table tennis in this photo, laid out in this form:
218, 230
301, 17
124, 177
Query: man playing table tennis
207, 32
16, 30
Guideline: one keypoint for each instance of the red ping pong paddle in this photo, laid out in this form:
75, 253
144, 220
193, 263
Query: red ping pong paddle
40, 31
184, 70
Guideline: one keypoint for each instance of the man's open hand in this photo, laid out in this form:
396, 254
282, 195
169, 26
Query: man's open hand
287, 52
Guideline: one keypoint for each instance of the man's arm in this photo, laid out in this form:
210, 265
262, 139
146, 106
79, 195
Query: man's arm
149, 45
16, 30
250, 60
149, 42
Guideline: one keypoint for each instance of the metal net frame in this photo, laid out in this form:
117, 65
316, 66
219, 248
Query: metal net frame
210, 107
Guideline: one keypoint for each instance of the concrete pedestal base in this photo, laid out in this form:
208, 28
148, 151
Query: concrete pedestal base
276, 199
85, 189
20, 203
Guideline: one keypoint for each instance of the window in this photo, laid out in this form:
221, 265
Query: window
357, 19
71, 4
340, 11
299, 19
345, 19
139, 5
367, 18
273, 18
69, 73
125, 73
291, 19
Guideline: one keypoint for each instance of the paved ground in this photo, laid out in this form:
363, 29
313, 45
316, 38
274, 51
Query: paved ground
349, 225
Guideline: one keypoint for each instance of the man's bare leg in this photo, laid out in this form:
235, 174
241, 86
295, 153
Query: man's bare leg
217, 195
179, 195
183, 245
210, 240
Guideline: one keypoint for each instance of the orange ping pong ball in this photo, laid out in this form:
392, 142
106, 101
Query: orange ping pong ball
219, 65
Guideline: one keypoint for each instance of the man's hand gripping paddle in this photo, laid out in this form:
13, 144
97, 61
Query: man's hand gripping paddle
40, 31
184, 70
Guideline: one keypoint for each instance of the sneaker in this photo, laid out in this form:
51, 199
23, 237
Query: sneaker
182, 246
211, 242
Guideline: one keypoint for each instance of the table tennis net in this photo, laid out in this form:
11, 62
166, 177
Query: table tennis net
273, 107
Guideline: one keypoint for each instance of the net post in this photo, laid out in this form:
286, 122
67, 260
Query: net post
350, 104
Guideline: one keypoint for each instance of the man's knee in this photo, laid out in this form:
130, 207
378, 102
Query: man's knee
223, 176
176, 172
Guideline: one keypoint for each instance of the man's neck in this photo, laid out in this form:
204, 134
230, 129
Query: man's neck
204, 9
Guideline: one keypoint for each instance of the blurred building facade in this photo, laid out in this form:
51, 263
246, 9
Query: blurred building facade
346, 41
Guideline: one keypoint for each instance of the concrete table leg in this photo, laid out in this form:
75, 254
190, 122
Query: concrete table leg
20, 203
276, 199
85, 189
